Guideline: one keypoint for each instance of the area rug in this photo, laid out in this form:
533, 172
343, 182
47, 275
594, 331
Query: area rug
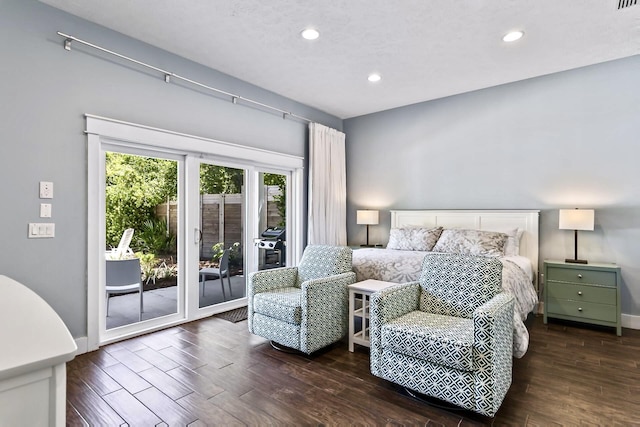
235, 316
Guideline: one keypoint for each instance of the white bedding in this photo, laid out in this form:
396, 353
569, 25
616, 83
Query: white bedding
405, 266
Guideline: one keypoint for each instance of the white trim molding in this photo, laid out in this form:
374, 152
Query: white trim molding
630, 321
119, 130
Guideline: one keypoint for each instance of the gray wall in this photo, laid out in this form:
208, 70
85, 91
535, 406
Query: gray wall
565, 140
45, 91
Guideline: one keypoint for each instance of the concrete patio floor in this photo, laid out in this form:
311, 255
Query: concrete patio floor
123, 309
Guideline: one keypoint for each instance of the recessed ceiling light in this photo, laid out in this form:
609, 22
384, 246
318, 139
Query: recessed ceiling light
513, 36
310, 34
374, 78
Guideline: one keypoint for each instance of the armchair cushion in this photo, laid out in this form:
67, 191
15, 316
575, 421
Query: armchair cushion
444, 340
282, 304
455, 285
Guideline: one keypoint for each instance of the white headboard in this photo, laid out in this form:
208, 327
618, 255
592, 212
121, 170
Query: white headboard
489, 220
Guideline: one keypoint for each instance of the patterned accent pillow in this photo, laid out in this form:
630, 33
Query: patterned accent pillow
512, 247
413, 238
471, 242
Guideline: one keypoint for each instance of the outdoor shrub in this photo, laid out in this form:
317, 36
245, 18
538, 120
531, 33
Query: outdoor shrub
147, 265
135, 185
235, 254
154, 238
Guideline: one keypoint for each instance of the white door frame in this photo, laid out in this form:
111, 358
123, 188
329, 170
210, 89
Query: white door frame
133, 329
101, 130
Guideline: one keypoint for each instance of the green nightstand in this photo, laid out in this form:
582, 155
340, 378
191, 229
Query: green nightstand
588, 293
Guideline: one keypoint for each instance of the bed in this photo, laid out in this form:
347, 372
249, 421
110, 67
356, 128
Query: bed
520, 265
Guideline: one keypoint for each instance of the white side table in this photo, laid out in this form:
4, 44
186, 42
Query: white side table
359, 295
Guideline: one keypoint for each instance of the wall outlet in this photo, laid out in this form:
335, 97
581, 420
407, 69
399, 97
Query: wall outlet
46, 190
45, 210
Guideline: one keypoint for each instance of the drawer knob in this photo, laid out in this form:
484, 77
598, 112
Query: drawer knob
579, 308
579, 292
579, 276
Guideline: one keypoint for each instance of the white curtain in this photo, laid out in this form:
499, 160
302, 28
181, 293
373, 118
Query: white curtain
327, 186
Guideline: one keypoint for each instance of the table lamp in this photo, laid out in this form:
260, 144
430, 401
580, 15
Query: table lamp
367, 217
576, 219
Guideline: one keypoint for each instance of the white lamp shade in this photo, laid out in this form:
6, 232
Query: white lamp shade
369, 217
576, 219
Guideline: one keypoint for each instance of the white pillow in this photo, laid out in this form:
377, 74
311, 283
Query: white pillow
512, 247
471, 242
413, 238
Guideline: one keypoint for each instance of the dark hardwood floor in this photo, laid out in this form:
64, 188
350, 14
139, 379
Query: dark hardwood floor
213, 372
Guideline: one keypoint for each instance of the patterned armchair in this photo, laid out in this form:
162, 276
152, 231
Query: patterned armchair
304, 307
449, 335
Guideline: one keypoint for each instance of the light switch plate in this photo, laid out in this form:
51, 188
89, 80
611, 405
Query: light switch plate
46, 190
39, 230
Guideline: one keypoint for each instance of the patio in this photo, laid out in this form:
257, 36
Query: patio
123, 309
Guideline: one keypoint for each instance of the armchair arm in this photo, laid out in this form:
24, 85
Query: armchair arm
323, 284
386, 305
493, 350
496, 317
266, 280
324, 310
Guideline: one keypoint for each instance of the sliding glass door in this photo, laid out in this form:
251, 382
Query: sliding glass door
242, 227
141, 258
177, 223
221, 236
272, 220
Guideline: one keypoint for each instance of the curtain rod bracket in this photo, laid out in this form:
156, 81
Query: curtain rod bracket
234, 99
67, 44
167, 78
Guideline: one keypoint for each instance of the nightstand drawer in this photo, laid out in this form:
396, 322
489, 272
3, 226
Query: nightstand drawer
584, 310
596, 294
581, 276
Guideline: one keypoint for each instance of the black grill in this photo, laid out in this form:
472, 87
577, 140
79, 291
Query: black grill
274, 233
273, 243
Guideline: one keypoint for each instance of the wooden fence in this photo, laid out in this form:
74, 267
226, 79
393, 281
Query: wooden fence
221, 218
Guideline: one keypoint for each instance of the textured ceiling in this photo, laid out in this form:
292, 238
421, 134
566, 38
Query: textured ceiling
422, 49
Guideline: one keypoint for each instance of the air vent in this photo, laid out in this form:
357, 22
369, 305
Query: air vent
626, 3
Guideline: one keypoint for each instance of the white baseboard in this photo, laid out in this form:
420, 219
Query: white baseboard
82, 343
630, 321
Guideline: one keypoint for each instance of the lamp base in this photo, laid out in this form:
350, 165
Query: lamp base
577, 261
